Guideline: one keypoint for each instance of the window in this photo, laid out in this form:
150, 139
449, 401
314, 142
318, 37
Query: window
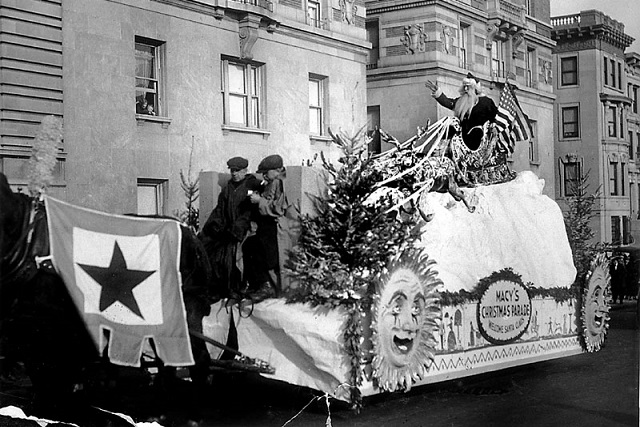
149, 77
615, 230
613, 178
533, 142
242, 93
570, 122
316, 105
497, 59
631, 145
619, 76
612, 71
569, 71
606, 72
313, 13
530, 62
623, 173
151, 195
626, 236
373, 38
463, 40
571, 178
621, 122
635, 99
611, 122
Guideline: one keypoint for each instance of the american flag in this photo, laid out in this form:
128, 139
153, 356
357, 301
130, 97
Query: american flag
511, 122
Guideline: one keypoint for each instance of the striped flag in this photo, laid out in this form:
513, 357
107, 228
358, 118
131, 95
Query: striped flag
123, 275
511, 122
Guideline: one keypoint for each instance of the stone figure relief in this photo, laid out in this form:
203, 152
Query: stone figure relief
446, 38
348, 9
546, 69
414, 40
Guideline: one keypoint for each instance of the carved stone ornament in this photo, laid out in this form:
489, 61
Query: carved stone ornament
446, 38
348, 9
492, 31
414, 40
248, 34
516, 41
571, 157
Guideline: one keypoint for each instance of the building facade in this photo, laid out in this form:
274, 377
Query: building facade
632, 72
150, 88
442, 41
596, 135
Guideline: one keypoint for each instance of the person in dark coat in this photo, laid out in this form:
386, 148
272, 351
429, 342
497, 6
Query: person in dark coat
272, 240
228, 226
618, 273
472, 108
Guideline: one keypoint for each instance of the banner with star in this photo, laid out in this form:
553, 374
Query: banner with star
123, 276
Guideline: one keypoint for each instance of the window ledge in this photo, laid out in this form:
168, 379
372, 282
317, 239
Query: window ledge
534, 162
226, 129
142, 118
320, 138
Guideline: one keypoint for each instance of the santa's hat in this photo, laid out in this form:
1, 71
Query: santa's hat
473, 82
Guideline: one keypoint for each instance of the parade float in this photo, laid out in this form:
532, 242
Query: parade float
420, 265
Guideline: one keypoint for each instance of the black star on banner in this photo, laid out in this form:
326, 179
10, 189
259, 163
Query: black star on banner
117, 281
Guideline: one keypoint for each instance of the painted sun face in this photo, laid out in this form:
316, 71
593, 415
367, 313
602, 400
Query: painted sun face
405, 321
595, 310
401, 317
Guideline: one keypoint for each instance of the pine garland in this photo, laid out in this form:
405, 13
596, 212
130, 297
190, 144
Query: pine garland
559, 294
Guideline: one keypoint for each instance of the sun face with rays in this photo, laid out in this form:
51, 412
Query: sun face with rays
595, 310
405, 321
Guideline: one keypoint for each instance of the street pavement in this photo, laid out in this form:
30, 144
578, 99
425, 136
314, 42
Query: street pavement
590, 389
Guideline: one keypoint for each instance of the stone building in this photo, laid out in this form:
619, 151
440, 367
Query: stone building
597, 119
149, 88
442, 41
632, 71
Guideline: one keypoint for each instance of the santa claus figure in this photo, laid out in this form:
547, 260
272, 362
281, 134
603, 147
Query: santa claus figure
473, 108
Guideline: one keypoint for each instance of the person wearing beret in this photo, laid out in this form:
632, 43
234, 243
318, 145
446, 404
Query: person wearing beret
227, 227
472, 108
272, 240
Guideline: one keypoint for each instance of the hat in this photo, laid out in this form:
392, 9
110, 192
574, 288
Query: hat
473, 82
273, 161
237, 163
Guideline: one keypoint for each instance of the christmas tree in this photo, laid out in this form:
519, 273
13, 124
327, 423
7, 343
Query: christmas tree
348, 241
346, 245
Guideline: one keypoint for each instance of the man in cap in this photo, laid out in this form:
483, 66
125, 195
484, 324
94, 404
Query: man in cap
272, 240
228, 226
472, 108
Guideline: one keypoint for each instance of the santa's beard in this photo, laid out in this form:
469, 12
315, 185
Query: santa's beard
465, 104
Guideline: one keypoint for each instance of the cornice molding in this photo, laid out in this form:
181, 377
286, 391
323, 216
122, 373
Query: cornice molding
394, 6
324, 37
